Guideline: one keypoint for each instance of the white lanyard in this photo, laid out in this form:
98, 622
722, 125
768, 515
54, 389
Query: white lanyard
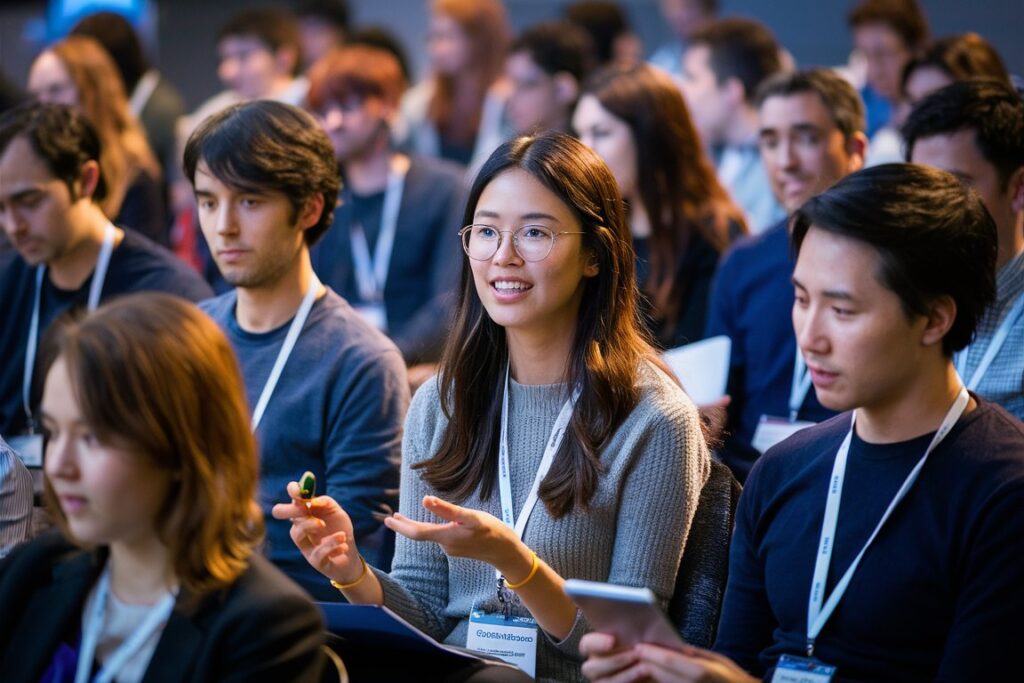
817, 614
800, 386
156, 616
143, 91
95, 290
994, 345
504, 475
372, 274
286, 350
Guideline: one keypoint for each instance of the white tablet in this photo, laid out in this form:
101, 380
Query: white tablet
630, 614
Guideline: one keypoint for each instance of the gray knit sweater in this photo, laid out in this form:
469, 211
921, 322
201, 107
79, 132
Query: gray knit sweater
633, 533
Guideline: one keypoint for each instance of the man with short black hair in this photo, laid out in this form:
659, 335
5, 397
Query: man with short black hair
328, 391
67, 252
975, 130
723, 66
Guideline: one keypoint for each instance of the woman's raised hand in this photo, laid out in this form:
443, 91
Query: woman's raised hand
323, 532
605, 663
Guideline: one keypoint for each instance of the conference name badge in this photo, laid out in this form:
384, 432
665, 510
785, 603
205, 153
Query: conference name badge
773, 430
513, 640
29, 448
792, 669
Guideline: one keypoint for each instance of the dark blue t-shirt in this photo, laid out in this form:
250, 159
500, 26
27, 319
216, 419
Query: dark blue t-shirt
752, 304
939, 594
136, 265
337, 411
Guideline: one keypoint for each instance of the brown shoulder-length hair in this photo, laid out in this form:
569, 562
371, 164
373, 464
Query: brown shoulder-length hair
155, 376
457, 102
101, 97
607, 351
676, 182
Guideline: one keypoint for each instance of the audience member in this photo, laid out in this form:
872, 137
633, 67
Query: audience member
917, 577
456, 112
151, 472
15, 499
388, 251
680, 218
68, 252
811, 135
78, 72
975, 130
323, 26
545, 68
684, 18
722, 68
523, 387
612, 40
151, 97
382, 38
951, 59
328, 392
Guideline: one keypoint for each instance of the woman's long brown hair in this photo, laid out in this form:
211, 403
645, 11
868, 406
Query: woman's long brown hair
607, 352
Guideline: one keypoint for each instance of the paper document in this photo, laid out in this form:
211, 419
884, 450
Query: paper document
702, 367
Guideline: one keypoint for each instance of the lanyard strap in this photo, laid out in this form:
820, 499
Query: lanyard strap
994, 345
95, 290
818, 614
800, 386
155, 617
504, 475
286, 350
372, 273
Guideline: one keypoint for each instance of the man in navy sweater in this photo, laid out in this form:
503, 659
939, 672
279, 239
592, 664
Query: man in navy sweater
811, 135
328, 391
884, 543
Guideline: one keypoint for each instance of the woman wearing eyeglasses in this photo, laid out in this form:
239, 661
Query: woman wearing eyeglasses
550, 445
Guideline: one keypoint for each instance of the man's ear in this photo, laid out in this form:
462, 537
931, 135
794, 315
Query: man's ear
88, 179
1015, 188
857, 151
734, 91
940, 319
311, 211
567, 88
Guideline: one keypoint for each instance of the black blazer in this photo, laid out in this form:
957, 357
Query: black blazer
261, 628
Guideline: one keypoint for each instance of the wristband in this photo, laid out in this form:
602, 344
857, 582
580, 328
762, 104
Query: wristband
346, 586
533, 571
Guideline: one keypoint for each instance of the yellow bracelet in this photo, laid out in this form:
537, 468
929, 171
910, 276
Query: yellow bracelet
533, 572
346, 586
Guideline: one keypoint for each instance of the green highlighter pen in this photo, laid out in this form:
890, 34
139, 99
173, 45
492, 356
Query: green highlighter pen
307, 487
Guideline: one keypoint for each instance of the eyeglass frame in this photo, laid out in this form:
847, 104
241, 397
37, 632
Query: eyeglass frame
515, 240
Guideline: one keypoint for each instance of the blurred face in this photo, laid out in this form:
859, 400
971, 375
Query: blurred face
802, 150
521, 296
886, 56
37, 210
923, 81
684, 16
107, 493
317, 38
611, 138
247, 66
860, 347
535, 104
254, 236
49, 81
448, 45
704, 97
357, 127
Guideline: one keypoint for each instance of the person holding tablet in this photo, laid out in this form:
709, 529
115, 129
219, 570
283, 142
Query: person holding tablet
916, 576
151, 476
552, 443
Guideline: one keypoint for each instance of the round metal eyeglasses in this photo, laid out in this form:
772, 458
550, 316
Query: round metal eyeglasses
532, 242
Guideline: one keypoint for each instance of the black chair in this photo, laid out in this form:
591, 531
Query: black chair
700, 583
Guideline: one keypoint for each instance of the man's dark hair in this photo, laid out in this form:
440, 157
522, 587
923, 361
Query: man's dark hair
740, 48
933, 235
275, 28
383, 38
268, 146
556, 46
60, 136
960, 57
334, 12
835, 92
116, 35
992, 109
905, 17
603, 22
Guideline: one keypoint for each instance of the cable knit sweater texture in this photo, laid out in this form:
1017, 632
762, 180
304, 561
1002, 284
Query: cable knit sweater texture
633, 532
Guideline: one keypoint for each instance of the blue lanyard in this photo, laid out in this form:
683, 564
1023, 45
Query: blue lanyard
800, 386
994, 345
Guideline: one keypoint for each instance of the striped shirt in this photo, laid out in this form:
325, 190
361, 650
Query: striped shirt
15, 499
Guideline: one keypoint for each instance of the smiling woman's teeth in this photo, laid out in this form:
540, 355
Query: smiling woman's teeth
511, 285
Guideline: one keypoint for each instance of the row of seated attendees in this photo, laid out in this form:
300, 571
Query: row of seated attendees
332, 237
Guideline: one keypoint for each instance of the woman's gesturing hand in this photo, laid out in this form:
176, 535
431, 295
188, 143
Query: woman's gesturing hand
323, 532
644, 662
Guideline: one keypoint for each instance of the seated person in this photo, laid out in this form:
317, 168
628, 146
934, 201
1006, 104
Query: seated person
15, 500
549, 408
954, 58
151, 476
917, 575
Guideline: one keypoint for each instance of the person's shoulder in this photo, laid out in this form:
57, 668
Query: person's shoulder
140, 264
821, 440
991, 437
754, 248
46, 555
263, 583
350, 337
424, 420
220, 306
663, 404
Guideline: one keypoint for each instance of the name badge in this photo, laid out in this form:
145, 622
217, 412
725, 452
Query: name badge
792, 669
773, 430
29, 448
375, 314
513, 640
